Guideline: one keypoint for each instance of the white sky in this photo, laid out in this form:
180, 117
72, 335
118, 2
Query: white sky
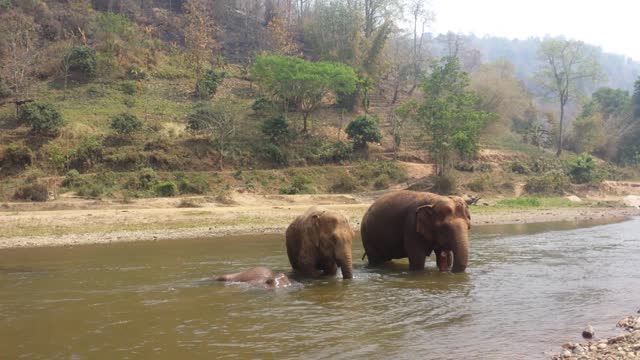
612, 24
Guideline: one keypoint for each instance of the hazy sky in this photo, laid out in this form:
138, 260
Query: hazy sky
611, 24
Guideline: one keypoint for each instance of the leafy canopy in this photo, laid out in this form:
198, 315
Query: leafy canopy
302, 82
43, 118
451, 113
363, 130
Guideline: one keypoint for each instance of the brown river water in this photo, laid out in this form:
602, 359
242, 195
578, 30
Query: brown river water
528, 289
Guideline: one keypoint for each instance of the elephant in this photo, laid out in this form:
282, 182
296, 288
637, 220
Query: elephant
318, 242
258, 276
413, 224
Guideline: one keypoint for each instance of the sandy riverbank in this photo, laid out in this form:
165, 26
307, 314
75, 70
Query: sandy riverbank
75, 221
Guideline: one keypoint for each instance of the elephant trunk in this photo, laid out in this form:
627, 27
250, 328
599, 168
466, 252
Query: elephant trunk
346, 264
461, 251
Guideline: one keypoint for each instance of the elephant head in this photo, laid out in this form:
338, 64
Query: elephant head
445, 225
332, 236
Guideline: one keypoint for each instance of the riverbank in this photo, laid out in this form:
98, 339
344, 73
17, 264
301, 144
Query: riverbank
77, 221
625, 346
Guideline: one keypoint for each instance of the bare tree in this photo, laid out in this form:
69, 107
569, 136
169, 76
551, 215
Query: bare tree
564, 64
19, 34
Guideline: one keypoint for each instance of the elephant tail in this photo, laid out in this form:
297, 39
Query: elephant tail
364, 256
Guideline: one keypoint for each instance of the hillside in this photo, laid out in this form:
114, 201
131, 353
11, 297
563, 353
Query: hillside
114, 94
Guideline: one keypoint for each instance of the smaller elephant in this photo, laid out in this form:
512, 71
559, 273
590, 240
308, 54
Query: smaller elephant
261, 276
318, 242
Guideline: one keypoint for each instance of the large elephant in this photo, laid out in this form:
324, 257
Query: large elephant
261, 276
413, 224
318, 242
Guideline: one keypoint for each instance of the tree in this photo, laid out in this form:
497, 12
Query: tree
302, 82
126, 124
565, 64
43, 118
217, 121
420, 17
198, 36
363, 130
18, 34
450, 114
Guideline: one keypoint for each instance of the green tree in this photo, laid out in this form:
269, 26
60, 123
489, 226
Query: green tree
277, 130
81, 60
43, 118
565, 64
450, 114
126, 124
217, 121
363, 130
302, 82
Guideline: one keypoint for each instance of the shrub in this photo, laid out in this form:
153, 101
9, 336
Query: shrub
43, 118
518, 167
129, 101
72, 178
16, 157
481, 183
344, 183
135, 72
551, 183
129, 88
445, 184
373, 170
263, 106
299, 185
584, 170
82, 60
196, 185
274, 154
207, 85
126, 124
277, 130
381, 182
88, 152
146, 178
363, 130
31, 192
92, 190
165, 189
346, 101
106, 66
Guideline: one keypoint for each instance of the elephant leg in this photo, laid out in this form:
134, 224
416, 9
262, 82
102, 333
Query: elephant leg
444, 259
416, 260
330, 268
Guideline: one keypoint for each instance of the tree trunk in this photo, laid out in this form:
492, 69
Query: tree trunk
304, 118
559, 152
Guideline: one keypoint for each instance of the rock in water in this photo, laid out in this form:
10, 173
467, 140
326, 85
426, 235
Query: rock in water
588, 332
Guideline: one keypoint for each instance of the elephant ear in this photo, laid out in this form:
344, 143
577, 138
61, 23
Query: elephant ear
424, 216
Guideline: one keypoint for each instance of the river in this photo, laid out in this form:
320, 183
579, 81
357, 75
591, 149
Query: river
528, 289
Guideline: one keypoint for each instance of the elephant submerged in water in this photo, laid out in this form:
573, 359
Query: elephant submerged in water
260, 276
413, 224
318, 242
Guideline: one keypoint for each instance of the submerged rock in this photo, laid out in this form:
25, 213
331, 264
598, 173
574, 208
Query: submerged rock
588, 332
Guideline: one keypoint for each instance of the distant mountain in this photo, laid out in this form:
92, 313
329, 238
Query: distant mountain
621, 70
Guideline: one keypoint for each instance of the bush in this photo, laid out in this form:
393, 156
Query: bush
363, 130
346, 101
551, 183
481, 183
299, 185
518, 167
207, 85
43, 118
445, 184
16, 157
126, 124
32, 192
274, 154
165, 189
520, 202
263, 106
196, 185
344, 183
366, 171
584, 170
92, 190
106, 66
135, 72
86, 154
129, 88
319, 151
381, 182
72, 178
277, 130
82, 60
146, 178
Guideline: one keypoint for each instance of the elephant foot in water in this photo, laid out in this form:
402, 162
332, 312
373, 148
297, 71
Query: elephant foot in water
259, 276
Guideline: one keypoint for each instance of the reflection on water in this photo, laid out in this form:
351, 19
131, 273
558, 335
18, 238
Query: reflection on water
528, 288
